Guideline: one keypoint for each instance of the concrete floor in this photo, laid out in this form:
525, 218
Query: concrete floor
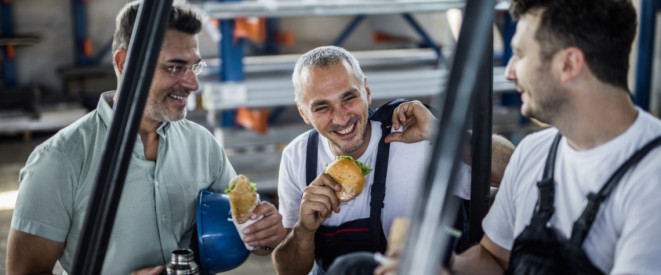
13, 154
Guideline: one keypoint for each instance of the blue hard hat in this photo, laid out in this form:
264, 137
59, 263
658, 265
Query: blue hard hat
221, 247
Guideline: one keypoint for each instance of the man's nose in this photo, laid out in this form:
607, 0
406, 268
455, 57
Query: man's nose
510, 74
340, 116
189, 81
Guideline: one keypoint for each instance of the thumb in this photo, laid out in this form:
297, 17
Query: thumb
394, 137
157, 270
149, 271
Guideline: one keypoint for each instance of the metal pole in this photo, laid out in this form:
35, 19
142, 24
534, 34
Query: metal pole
435, 210
78, 10
231, 66
645, 53
143, 51
481, 144
7, 52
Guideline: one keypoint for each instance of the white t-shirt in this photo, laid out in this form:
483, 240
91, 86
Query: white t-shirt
407, 164
625, 238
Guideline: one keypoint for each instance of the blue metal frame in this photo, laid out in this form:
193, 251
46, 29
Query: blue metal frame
105, 50
8, 63
428, 41
271, 44
78, 10
231, 66
348, 30
509, 27
645, 52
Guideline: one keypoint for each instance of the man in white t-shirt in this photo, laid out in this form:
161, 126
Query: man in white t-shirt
332, 95
570, 65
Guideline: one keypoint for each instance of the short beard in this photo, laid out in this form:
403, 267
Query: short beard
552, 102
157, 111
349, 150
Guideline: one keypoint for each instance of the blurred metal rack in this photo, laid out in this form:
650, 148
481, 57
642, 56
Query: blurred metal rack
390, 74
293, 8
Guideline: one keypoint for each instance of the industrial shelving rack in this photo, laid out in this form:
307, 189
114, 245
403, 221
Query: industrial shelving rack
231, 88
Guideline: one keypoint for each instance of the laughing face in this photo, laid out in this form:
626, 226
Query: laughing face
336, 104
168, 93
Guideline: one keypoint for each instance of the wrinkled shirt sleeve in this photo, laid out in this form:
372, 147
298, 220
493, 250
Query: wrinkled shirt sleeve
45, 199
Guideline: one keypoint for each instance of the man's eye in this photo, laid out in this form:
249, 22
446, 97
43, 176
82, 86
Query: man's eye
320, 109
348, 98
176, 68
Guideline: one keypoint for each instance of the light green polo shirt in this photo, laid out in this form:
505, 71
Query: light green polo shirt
157, 208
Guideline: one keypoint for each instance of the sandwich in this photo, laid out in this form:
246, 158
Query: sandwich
243, 198
398, 231
350, 174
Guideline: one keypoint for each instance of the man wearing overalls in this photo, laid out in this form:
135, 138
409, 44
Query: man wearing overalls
581, 197
332, 95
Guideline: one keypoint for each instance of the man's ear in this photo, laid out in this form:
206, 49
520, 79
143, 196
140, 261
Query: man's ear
572, 64
118, 59
302, 113
368, 92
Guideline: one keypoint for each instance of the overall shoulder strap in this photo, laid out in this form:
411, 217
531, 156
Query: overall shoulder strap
584, 223
379, 187
311, 157
546, 191
384, 113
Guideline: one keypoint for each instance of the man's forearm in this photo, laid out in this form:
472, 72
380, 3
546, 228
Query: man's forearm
295, 255
476, 260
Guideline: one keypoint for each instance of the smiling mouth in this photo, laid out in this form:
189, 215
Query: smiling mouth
178, 97
348, 130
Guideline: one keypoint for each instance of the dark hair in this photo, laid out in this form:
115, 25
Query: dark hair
602, 29
182, 18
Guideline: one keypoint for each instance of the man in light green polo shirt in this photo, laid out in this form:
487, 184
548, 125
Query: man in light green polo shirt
173, 159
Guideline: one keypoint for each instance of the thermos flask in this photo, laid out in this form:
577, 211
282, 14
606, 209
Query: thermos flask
182, 262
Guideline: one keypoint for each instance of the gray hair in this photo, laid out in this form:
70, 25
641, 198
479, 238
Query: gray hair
182, 18
324, 57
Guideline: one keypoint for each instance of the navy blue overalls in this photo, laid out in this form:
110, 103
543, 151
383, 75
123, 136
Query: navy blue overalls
362, 234
539, 249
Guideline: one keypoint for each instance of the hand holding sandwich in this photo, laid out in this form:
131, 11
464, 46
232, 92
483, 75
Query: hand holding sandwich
318, 203
342, 181
266, 232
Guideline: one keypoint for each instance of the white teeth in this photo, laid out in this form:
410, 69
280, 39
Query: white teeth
347, 130
178, 97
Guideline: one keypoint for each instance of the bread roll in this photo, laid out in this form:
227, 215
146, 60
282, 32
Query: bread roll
349, 175
243, 198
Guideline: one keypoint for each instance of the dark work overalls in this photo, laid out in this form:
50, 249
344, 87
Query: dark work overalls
539, 249
362, 234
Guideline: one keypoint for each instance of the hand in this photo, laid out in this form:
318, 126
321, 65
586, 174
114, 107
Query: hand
501, 152
416, 119
390, 268
268, 231
155, 270
318, 203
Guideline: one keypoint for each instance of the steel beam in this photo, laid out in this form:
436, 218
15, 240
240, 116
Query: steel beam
143, 52
429, 241
645, 52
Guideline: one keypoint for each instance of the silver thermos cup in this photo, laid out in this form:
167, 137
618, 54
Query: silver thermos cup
182, 262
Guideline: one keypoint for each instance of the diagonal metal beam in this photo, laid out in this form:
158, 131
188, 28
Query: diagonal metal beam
144, 47
481, 148
429, 243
